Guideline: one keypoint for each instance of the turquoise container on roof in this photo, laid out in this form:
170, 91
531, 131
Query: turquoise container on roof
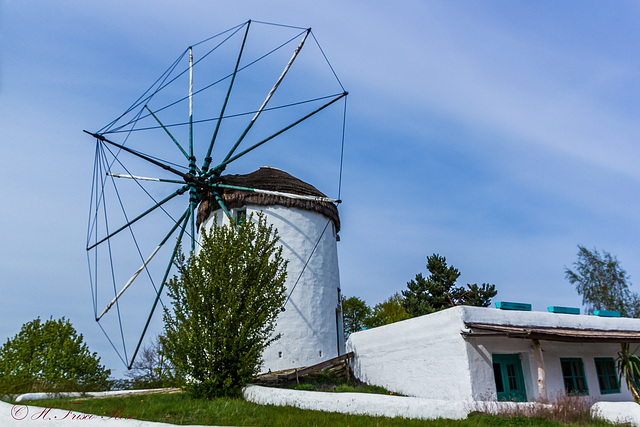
606, 313
563, 310
520, 306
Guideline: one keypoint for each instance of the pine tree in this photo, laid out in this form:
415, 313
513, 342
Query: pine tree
438, 291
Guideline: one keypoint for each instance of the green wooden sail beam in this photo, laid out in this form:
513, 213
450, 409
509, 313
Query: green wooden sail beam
187, 177
143, 214
222, 205
269, 95
168, 133
208, 159
186, 216
219, 168
142, 267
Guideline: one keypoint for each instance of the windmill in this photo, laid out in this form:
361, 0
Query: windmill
156, 172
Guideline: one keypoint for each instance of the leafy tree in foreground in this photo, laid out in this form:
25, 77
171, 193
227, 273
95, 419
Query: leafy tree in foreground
225, 303
438, 291
354, 314
386, 312
603, 284
49, 356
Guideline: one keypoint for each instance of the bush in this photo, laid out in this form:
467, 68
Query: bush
225, 303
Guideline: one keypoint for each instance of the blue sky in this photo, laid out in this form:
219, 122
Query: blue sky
499, 134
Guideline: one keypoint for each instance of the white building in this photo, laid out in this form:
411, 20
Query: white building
473, 353
311, 323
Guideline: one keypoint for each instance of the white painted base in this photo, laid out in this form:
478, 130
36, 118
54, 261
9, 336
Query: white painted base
618, 412
377, 405
411, 407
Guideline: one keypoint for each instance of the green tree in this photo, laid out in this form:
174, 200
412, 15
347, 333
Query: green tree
225, 303
388, 311
439, 291
49, 356
603, 283
355, 312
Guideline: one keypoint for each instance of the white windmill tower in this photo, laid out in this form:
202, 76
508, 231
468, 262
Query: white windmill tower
308, 224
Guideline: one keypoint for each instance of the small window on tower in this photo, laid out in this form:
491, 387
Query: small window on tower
241, 215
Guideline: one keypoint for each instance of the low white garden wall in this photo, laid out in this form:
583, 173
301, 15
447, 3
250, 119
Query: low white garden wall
378, 405
618, 412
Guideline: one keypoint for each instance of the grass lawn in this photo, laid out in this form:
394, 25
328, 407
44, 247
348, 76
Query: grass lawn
179, 408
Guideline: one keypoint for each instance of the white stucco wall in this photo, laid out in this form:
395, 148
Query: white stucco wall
424, 357
310, 327
428, 357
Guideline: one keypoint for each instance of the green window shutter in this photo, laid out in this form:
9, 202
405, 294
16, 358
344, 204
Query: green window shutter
607, 378
507, 371
575, 381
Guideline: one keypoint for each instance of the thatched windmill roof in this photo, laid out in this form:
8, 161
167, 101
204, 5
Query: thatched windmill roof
267, 178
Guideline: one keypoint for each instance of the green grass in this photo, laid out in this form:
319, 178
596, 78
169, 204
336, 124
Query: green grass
179, 408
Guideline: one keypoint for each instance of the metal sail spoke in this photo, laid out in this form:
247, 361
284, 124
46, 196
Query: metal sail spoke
151, 209
142, 267
186, 177
269, 95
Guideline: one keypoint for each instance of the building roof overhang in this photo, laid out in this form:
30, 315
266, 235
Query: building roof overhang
551, 333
